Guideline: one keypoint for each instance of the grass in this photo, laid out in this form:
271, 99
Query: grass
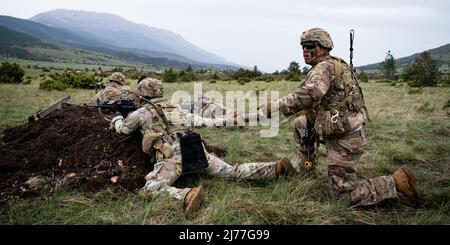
410, 129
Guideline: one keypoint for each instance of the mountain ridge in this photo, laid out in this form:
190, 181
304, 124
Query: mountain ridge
120, 32
440, 54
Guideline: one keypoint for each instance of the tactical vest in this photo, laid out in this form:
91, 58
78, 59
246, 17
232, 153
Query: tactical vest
157, 139
343, 99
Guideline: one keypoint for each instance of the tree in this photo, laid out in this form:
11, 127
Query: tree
293, 72
387, 67
255, 72
424, 72
169, 76
187, 75
11, 73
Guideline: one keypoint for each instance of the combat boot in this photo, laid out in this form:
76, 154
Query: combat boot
284, 167
406, 183
193, 200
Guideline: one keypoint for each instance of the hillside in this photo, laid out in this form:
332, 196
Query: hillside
119, 32
440, 54
89, 44
14, 44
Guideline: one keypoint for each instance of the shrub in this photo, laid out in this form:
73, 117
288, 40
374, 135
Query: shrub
424, 72
212, 81
244, 80
362, 76
11, 73
169, 76
269, 79
70, 80
53, 85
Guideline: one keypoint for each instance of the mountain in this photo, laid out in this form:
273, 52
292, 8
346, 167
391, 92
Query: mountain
90, 43
15, 44
440, 54
117, 31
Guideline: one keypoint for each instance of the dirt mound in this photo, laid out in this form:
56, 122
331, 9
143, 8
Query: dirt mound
72, 148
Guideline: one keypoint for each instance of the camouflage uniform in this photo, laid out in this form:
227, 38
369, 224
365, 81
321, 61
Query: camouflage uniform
165, 148
333, 104
213, 110
113, 90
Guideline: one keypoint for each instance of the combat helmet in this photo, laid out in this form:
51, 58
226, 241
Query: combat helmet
150, 87
317, 35
117, 77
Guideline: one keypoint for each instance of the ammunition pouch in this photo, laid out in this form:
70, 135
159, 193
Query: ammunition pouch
329, 123
150, 136
193, 155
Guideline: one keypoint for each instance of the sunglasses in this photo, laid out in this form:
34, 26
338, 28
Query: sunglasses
309, 45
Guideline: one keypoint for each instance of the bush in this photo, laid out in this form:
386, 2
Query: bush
269, 79
117, 69
70, 80
169, 76
362, 76
45, 69
212, 81
424, 72
53, 85
244, 80
11, 73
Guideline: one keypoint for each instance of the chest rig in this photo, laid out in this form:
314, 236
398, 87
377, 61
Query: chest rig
344, 98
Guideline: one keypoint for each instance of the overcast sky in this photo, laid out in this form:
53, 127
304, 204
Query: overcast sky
266, 33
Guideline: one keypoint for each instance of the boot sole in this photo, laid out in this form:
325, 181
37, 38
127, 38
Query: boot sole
412, 182
196, 202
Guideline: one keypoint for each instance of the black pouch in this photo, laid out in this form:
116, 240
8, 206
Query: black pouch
193, 156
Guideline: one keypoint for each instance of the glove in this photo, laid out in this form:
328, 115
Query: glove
114, 120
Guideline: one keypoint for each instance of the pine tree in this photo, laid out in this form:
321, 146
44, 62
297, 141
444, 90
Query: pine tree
387, 67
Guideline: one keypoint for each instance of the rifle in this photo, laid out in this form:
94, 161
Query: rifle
157, 108
123, 107
352, 37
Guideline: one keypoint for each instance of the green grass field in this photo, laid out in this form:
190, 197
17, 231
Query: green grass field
407, 128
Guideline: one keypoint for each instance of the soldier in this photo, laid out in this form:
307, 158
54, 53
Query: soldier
113, 91
335, 114
163, 127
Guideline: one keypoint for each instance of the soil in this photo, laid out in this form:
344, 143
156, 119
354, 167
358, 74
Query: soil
71, 148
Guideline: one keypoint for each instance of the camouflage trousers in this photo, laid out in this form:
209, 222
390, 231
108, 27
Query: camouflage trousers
167, 171
343, 154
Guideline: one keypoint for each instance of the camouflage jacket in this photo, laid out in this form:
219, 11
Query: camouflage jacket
157, 137
332, 102
112, 92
